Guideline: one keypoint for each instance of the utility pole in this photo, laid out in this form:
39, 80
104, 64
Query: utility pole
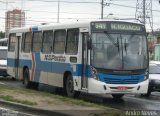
144, 12
6, 5
102, 5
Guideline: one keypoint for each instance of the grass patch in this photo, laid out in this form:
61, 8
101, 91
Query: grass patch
12, 99
34, 93
30, 92
5, 90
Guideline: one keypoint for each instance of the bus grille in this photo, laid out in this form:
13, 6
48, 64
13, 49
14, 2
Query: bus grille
121, 81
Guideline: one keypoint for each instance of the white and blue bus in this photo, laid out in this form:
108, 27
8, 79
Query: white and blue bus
93, 57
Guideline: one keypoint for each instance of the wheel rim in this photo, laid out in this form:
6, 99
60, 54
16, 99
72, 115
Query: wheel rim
70, 87
25, 78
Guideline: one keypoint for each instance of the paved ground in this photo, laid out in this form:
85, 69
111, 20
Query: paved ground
10, 112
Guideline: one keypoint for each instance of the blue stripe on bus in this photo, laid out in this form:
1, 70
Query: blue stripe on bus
11, 63
121, 79
60, 68
54, 67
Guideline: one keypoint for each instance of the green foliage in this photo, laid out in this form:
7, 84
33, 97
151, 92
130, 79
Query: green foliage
12, 99
2, 34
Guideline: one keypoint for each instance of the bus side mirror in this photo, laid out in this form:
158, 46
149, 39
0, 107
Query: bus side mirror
89, 44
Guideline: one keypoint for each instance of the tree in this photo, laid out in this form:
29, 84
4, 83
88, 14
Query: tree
2, 34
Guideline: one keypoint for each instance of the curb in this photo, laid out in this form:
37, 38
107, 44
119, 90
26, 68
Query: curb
30, 109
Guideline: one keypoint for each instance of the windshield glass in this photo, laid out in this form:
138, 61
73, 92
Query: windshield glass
153, 69
119, 51
3, 54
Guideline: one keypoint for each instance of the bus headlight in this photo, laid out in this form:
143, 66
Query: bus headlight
94, 73
146, 75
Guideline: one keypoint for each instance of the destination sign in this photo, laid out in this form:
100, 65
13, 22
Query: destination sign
125, 26
100, 26
116, 26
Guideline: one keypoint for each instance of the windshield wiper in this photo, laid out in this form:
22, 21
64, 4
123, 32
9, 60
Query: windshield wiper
118, 43
112, 40
125, 46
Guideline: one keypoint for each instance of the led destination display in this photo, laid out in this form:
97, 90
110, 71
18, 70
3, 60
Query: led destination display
131, 27
116, 26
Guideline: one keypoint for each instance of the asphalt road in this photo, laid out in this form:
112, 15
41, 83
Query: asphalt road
10, 112
129, 102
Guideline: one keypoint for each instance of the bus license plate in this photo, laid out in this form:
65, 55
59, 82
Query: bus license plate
122, 88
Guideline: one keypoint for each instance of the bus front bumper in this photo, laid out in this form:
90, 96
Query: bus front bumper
95, 86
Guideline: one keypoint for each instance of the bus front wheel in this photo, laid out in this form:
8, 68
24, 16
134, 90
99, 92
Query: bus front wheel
117, 96
26, 80
69, 87
148, 93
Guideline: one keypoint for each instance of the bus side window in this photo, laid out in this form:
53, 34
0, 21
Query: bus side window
22, 42
27, 42
59, 41
12, 42
72, 41
37, 41
47, 41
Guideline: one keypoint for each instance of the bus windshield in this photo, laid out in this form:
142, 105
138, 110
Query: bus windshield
119, 51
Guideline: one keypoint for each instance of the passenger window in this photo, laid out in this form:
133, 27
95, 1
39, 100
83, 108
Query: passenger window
47, 41
22, 42
59, 42
27, 42
37, 41
72, 41
12, 42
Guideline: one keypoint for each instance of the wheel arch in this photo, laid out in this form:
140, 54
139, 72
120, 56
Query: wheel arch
24, 67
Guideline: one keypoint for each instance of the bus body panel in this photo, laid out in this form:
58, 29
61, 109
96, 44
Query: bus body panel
41, 72
121, 79
96, 86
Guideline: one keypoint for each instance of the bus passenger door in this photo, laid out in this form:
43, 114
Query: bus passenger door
84, 80
13, 54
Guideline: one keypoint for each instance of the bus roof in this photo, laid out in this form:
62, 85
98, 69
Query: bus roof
64, 25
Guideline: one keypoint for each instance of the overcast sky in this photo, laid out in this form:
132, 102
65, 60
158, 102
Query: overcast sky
45, 11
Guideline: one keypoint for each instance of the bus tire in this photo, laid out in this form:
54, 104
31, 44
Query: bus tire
69, 87
26, 80
34, 85
117, 96
147, 94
